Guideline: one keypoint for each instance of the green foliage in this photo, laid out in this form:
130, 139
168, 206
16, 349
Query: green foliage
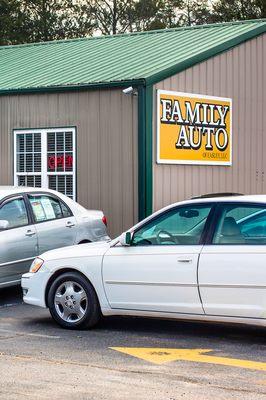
11, 20
195, 12
41, 20
118, 16
111, 17
234, 10
152, 14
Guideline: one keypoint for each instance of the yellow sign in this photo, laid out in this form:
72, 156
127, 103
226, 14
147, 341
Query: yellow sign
193, 129
162, 355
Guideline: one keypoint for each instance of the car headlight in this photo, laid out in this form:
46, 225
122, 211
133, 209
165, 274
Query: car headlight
36, 265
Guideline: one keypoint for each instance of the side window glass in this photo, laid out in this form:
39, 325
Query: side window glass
65, 210
241, 224
45, 208
181, 226
15, 213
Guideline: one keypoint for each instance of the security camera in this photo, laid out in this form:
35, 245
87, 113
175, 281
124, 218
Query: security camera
128, 90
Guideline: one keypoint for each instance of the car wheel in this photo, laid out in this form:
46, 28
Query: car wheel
72, 302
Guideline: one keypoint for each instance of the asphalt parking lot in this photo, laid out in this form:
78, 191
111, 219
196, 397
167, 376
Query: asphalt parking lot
126, 358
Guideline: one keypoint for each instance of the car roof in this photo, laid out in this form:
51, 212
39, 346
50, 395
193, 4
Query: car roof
261, 198
9, 190
251, 198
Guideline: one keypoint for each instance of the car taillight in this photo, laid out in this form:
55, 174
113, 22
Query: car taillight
104, 219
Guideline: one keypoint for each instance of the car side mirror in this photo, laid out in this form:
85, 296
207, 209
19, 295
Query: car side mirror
125, 239
4, 224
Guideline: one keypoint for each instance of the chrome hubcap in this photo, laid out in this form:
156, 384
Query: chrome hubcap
71, 301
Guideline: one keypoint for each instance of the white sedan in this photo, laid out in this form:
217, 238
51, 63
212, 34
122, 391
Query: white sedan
202, 259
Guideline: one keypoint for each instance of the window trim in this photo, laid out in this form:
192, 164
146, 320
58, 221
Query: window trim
16, 197
217, 216
204, 233
44, 172
49, 195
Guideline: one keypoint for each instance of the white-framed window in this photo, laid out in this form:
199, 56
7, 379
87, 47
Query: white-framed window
46, 158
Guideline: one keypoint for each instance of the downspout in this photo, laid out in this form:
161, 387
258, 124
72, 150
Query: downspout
145, 150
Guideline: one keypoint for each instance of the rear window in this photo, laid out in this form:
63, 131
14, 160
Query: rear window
46, 208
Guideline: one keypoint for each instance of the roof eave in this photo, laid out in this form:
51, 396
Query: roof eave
77, 87
175, 69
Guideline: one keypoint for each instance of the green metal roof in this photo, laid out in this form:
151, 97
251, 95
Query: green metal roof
146, 57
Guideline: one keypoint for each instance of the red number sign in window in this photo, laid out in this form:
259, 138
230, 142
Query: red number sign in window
64, 161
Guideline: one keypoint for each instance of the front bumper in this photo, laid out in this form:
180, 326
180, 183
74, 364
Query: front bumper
33, 287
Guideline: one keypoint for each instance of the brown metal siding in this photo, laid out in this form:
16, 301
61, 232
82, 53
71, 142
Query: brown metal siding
106, 122
239, 74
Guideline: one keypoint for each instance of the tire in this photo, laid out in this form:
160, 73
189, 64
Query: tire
72, 302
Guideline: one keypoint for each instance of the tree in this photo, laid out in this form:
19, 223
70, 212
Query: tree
119, 16
156, 14
24, 21
111, 17
53, 19
11, 21
235, 10
41, 20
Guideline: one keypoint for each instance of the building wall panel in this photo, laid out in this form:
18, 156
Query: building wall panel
106, 122
240, 74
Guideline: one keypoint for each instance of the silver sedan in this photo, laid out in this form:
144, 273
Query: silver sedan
33, 221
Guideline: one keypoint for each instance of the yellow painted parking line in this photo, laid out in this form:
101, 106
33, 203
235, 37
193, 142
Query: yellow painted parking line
164, 355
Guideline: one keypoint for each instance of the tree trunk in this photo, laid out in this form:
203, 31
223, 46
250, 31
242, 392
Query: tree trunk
114, 27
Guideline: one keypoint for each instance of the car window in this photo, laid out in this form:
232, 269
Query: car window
45, 208
65, 210
183, 225
14, 211
241, 225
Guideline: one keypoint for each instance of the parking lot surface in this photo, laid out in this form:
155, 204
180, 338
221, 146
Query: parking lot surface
126, 358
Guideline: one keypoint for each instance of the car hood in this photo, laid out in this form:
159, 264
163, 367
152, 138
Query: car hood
80, 250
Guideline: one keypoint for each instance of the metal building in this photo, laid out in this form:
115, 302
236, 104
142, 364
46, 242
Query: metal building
65, 122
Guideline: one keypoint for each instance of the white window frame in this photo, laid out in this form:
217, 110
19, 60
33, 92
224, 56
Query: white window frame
44, 171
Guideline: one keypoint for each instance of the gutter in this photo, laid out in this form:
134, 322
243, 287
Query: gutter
71, 88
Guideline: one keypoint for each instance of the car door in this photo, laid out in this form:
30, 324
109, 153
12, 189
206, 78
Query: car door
158, 271
55, 224
18, 242
232, 268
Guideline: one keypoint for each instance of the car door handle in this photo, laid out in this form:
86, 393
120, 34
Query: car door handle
30, 233
185, 260
69, 224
